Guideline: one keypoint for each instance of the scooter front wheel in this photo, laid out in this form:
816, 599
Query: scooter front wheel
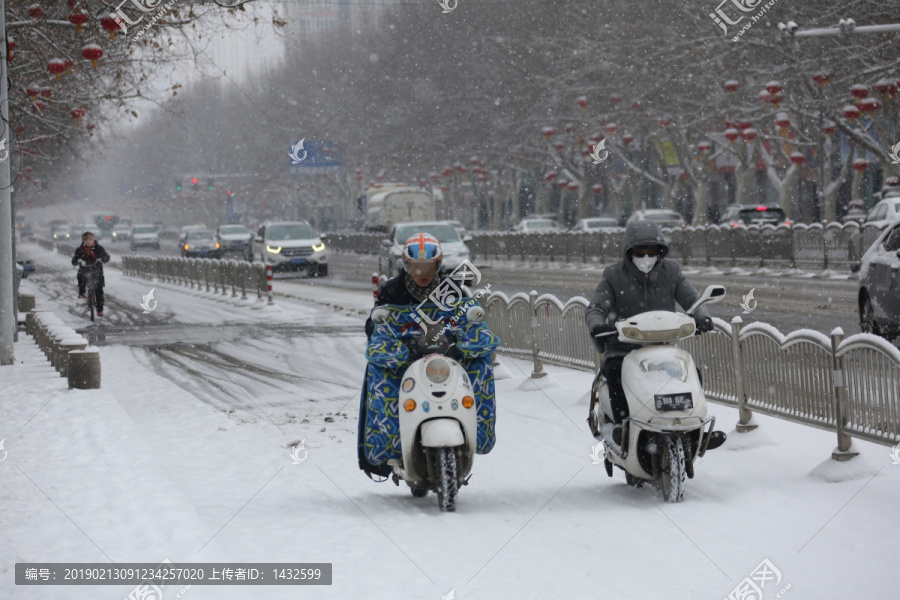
445, 470
672, 469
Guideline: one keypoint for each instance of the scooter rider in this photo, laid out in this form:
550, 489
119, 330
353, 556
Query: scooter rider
387, 358
642, 281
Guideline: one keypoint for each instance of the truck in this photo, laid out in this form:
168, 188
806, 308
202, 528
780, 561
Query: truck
389, 204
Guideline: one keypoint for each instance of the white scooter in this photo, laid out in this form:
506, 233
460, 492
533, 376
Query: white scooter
667, 428
438, 423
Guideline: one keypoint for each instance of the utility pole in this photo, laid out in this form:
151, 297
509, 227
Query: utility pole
7, 294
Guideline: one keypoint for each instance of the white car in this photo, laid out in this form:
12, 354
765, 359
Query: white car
292, 246
533, 225
460, 229
662, 217
61, 234
454, 250
121, 233
189, 228
596, 224
885, 212
144, 235
236, 238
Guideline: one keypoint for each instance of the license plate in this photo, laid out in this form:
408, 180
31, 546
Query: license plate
298, 261
682, 401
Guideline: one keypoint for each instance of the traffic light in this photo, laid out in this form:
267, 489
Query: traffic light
228, 193
177, 185
196, 183
209, 184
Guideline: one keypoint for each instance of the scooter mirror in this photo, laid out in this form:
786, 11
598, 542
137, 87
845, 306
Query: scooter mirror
713, 293
380, 315
475, 314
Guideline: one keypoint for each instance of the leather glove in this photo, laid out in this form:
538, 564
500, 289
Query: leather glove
601, 329
704, 324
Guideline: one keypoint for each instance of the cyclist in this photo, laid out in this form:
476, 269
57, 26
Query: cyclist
91, 256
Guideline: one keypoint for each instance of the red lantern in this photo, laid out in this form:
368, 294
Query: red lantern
597, 188
704, 147
559, 146
859, 91
473, 161
616, 99
627, 139
77, 113
423, 183
635, 106
38, 106
573, 186
582, 101
860, 164
20, 131
562, 183
46, 92
869, 105
850, 112
611, 128
35, 11
744, 125
72, 3
447, 172
775, 99
663, 123
93, 53
798, 158
732, 85
730, 124
459, 167
782, 120
774, 87
443, 188
111, 25
595, 138
11, 42
829, 128
32, 90
548, 132
78, 19
549, 177
883, 86
57, 67
749, 134
732, 135
433, 176
765, 97
822, 78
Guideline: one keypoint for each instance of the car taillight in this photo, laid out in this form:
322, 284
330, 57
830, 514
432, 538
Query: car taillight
762, 208
788, 223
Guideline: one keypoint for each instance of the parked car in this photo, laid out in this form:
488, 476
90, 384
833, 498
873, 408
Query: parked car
596, 224
390, 261
661, 216
121, 233
885, 212
144, 235
236, 239
292, 246
737, 215
530, 225
879, 285
201, 244
856, 212
460, 229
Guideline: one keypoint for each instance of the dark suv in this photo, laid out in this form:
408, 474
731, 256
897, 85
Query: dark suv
879, 285
753, 214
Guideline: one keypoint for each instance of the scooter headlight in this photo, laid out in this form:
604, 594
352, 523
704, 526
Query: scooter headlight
437, 370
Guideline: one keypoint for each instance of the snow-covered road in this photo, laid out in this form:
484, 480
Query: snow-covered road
185, 454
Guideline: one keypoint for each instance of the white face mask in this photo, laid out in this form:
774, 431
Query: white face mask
644, 263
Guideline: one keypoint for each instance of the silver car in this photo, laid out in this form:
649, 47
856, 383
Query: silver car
879, 285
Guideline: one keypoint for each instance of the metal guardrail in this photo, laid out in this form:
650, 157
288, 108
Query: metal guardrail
851, 387
811, 246
202, 274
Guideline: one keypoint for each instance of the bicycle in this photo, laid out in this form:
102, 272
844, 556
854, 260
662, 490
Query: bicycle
91, 275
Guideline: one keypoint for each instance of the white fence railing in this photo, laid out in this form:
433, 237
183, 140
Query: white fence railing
214, 275
849, 386
812, 246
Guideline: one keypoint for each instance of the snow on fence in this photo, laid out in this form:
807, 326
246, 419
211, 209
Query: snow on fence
809, 246
199, 273
849, 386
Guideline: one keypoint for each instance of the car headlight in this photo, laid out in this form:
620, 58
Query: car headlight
186, 247
273, 250
217, 244
437, 370
318, 247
